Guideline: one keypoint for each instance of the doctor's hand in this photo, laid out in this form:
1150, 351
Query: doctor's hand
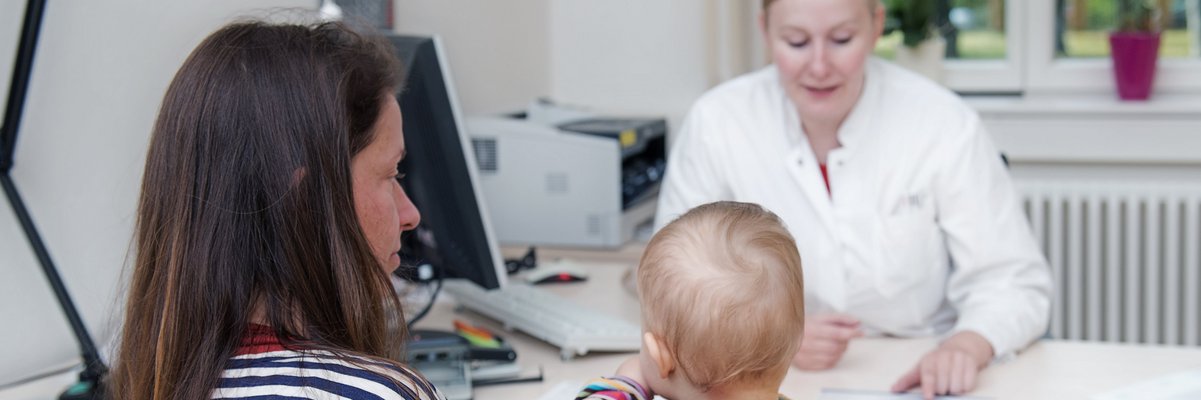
825, 340
951, 369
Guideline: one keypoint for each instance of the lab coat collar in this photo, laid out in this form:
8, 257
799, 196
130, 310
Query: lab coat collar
857, 128
793, 134
801, 162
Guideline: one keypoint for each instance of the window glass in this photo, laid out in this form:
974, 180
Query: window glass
1083, 27
973, 29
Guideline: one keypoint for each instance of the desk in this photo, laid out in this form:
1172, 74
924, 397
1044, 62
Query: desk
1050, 369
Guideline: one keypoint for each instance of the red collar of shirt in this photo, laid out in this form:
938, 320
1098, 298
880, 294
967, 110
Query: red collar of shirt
259, 339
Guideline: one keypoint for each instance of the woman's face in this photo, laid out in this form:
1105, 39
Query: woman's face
383, 208
819, 48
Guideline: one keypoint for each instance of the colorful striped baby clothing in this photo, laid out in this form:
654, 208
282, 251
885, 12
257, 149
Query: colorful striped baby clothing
615, 387
618, 387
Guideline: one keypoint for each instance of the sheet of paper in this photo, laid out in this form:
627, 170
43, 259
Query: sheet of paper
1179, 386
850, 394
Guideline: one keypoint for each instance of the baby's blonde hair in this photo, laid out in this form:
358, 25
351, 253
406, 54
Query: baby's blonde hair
722, 287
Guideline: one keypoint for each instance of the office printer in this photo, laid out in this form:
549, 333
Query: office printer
587, 182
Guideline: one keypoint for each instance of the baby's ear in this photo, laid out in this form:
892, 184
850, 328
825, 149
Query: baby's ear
659, 354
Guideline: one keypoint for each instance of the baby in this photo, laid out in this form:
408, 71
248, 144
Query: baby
722, 305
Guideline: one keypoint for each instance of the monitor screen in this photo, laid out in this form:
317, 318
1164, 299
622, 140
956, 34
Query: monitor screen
455, 234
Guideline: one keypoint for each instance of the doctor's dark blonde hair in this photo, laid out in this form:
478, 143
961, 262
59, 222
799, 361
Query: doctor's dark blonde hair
247, 203
722, 287
871, 5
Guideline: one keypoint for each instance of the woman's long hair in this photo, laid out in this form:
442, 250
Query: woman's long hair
247, 202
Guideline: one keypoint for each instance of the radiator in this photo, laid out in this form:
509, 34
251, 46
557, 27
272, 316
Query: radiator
1126, 258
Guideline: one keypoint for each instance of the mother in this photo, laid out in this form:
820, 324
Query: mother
269, 221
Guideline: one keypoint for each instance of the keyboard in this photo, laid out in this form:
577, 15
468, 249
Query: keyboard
575, 329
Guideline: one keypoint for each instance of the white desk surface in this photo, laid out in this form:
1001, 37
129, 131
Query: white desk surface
1050, 369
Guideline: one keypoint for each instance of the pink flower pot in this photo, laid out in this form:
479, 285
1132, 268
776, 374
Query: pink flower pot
1134, 56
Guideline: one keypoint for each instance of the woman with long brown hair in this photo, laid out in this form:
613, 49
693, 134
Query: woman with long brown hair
269, 221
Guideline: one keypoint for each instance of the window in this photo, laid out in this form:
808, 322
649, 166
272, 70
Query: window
977, 30
1072, 55
972, 29
982, 40
1084, 26
1055, 47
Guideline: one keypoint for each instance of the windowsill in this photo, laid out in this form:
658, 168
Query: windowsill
1094, 129
1081, 105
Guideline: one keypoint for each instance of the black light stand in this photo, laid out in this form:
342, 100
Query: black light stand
92, 376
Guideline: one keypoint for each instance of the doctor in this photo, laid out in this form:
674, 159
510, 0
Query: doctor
903, 212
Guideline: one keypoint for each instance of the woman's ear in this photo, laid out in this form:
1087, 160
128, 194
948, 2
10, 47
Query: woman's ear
659, 354
878, 22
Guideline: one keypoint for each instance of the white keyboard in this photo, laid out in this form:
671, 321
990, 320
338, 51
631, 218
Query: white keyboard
574, 328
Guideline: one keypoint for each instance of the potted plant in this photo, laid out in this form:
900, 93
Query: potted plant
1134, 48
922, 48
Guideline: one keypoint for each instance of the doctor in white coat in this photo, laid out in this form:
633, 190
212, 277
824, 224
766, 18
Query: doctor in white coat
905, 216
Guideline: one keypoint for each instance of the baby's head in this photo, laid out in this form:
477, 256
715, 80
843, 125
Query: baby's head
722, 300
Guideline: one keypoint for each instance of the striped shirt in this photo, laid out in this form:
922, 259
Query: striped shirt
263, 369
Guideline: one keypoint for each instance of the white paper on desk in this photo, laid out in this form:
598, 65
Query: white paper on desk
1180, 386
851, 394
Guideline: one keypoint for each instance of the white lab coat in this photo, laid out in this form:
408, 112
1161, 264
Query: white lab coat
920, 234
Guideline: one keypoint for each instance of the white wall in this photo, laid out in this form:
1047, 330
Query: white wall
100, 73
631, 56
99, 76
622, 56
498, 50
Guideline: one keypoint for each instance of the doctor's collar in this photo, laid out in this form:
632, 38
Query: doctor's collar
859, 123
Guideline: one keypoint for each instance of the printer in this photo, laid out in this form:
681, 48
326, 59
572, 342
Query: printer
582, 181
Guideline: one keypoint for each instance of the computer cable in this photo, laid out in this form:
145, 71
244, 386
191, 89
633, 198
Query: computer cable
425, 272
38, 377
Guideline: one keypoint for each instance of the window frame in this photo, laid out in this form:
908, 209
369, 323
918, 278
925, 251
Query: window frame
1029, 69
1047, 74
993, 76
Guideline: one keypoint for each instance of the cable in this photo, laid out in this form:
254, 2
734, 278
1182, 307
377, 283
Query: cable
39, 377
433, 297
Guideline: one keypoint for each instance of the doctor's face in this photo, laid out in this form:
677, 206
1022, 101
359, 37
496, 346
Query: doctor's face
820, 48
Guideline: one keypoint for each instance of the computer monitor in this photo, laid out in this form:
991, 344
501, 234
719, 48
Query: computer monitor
455, 234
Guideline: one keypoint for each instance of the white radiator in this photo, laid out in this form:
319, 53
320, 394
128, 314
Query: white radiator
1126, 258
